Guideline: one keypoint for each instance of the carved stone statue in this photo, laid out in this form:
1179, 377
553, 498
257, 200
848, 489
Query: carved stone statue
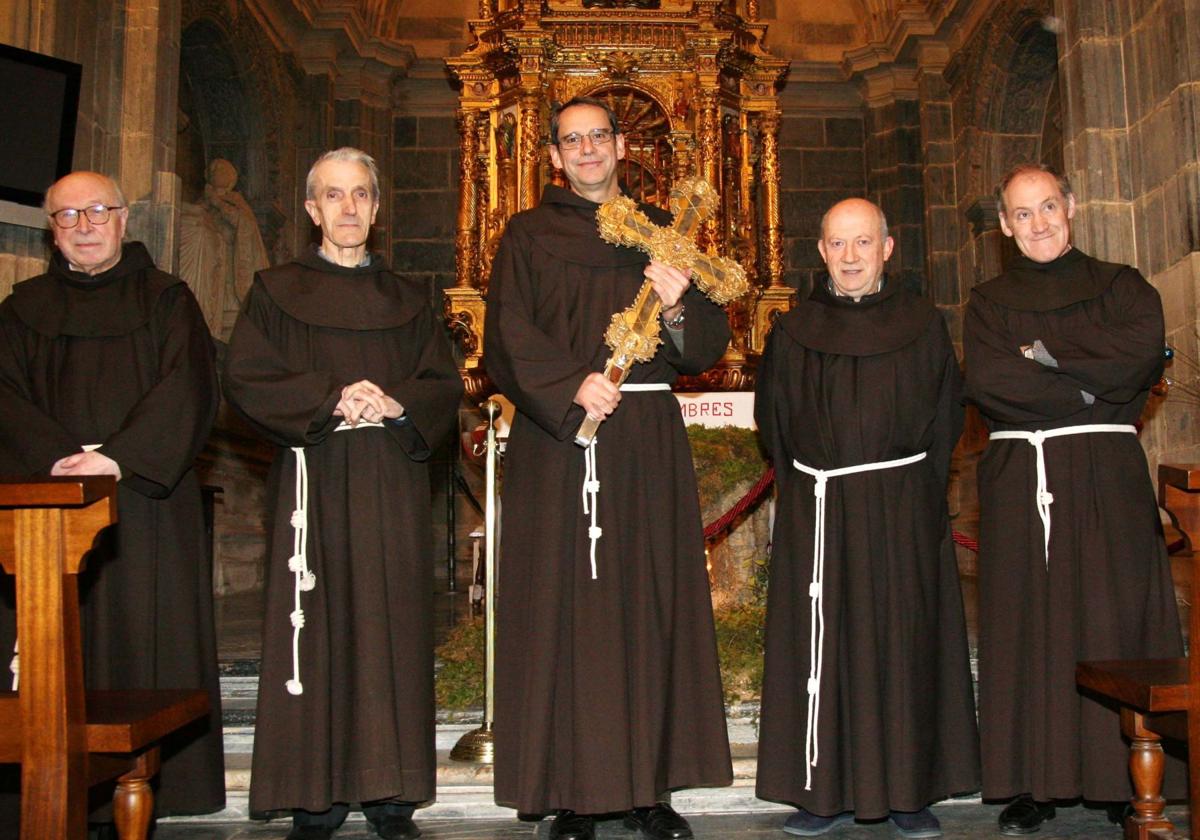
220, 248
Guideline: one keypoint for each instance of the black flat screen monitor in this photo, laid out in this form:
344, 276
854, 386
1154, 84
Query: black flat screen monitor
39, 98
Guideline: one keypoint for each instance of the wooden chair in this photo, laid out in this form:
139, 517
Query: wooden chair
1160, 698
65, 739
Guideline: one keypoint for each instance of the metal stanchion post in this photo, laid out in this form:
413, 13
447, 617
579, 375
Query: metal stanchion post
479, 744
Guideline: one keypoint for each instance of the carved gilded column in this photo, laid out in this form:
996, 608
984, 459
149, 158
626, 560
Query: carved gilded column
768, 127
708, 132
776, 297
483, 179
466, 236
531, 154
463, 303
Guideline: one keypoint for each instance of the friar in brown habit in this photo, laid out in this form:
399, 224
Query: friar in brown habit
344, 366
867, 706
1061, 351
107, 368
608, 693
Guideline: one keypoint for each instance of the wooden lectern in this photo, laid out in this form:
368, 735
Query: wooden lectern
64, 739
1160, 698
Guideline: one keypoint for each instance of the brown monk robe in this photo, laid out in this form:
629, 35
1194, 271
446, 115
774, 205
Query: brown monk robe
1105, 592
363, 728
124, 359
608, 692
845, 383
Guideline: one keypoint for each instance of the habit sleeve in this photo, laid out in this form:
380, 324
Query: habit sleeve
537, 373
291, 407
948, 422
1004, 384
705, 335
1118, 358
167, 428
430, 395
771, 402
31, 441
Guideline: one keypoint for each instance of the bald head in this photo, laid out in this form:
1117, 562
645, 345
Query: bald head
862, 205
855, 245
89, 246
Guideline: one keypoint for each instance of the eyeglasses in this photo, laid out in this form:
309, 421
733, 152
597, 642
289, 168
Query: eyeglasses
68, 217
598, 136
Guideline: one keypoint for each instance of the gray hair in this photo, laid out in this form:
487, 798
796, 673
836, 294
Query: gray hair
1064, 186
347, 154
883, 226
112, 185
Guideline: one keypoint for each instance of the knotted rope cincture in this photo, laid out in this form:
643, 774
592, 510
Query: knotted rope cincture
591, 499
1042, 495
817, 611
305, 580
591, 476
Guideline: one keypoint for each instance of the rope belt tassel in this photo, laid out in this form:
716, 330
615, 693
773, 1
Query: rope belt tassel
1042, 495
305, 580
817, 611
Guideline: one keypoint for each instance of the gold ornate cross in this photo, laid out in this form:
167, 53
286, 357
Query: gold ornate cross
634, 334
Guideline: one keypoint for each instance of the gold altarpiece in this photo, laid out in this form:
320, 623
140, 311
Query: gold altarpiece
696, 92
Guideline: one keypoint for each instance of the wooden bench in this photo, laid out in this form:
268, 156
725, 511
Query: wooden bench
1160, 698
65, 739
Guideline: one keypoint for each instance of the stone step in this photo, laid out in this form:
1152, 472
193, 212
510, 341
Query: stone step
464, 789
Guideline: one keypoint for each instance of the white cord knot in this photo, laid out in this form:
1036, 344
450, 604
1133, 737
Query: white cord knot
308, 582
819, 486
814, 590
591, 501
299, 518
297, 617
1045, 497
295, 687
296, 563
814, 685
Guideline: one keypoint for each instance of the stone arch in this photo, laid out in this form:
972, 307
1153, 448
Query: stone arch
223, 112
243, 95
1020, 117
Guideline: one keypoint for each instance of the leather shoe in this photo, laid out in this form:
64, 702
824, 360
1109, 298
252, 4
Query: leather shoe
571, 826
395, 827
310, 832
658, 823
1024, 816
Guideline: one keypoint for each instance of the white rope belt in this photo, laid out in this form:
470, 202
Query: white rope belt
1042, 495
817, 618
591, 478
15, 664
306, 581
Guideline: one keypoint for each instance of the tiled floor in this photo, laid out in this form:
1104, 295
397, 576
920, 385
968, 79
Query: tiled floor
959, 820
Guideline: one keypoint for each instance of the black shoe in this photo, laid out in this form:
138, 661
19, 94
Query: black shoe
658, 823
1024, 816
1118, 812
310, 832
395, 827
571, 826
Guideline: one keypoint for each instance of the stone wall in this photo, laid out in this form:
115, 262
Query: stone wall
894, 179
1131, 100
821, 161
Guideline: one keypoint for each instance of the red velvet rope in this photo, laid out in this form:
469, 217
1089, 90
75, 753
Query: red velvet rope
755, 493
722, 524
